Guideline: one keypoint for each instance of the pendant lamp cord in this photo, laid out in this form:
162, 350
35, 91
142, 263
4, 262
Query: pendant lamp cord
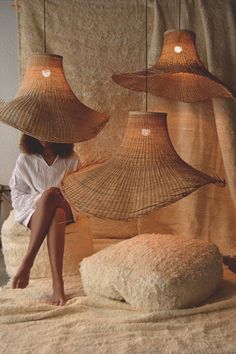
146, 59
179, 14
44, 26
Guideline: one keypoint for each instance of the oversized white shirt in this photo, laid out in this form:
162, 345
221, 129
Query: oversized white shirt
31, 177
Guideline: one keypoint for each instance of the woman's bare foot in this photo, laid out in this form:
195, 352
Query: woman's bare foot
58, 297
21, 279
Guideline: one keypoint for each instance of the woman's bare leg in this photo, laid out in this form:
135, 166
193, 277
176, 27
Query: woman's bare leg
39, 224
56, 242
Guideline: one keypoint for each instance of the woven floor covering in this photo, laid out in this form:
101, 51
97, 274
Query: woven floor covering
94, 325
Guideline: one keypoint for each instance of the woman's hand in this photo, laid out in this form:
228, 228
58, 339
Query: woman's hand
53, 189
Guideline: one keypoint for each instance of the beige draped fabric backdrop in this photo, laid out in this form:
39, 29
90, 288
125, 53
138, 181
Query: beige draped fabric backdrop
99, 38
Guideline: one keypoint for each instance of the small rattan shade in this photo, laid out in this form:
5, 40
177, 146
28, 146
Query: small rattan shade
178, 75
46, 108
144, 175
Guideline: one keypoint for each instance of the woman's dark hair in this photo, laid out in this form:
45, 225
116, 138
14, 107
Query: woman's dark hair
30, 145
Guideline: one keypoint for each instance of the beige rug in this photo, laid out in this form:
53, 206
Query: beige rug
91, 325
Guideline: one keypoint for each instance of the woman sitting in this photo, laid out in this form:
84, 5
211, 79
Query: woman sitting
40, 206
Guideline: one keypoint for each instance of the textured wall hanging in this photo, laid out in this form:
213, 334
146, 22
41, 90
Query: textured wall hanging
46, 108
144, 175
192, 127
178, 74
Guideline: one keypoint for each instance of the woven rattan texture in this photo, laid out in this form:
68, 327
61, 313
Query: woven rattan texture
178, 76
144, 175
46, 108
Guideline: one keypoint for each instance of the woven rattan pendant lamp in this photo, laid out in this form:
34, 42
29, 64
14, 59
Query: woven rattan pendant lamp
45, 106
144, 175
178, 74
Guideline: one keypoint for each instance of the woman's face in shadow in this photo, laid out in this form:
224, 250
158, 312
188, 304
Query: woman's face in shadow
45, 144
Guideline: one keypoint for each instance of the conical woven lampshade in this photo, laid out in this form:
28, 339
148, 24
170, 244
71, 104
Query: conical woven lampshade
144, 175
46, 108
178, 74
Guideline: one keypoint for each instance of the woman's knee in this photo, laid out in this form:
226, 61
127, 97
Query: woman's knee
60, 215
51, 196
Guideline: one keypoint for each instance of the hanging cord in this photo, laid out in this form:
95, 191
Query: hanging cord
146, 59
179, 25
44, 26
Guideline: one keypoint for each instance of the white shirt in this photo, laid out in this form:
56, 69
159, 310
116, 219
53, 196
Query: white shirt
31, 177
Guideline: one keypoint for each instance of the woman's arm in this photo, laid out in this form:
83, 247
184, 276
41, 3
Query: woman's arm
22, 196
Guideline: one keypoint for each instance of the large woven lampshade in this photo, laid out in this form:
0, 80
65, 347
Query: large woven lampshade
46, 108
178, 74
144, 175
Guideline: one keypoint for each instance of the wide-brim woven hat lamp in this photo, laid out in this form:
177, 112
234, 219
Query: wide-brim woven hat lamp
46, 108
178, 74
144, 175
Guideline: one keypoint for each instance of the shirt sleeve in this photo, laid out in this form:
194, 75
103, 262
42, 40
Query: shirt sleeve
21, 195
74, 164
